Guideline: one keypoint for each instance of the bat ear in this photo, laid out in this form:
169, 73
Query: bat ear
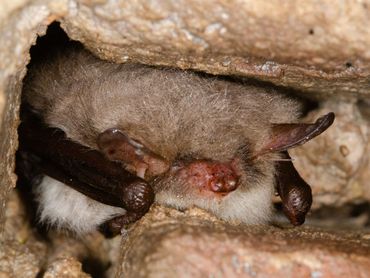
286, 136
117, 146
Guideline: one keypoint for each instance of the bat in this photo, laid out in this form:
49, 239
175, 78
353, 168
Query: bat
110, 139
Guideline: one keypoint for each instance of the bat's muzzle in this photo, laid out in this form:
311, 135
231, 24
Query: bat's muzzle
210, 176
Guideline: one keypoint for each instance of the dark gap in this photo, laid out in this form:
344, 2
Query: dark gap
348, 65
346, 217
311, 32
54, 38
95, 267
41, 273
364, 107
360, 209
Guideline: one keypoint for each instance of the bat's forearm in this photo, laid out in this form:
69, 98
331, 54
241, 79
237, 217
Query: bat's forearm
82, 168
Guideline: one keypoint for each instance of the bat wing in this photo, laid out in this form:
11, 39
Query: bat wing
86, 170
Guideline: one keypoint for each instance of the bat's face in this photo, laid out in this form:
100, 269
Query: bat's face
233, 179
205, 159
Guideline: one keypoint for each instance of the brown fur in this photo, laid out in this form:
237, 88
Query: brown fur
174, 113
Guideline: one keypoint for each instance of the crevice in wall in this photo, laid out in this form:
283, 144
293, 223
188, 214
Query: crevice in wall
354, 216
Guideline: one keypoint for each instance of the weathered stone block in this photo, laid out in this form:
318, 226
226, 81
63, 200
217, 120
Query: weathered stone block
168, 243
321, 49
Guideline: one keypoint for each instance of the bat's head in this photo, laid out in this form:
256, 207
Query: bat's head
238, 187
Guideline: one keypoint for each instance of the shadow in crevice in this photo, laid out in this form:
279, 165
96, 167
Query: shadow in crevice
95, 267
54, 38
346, 217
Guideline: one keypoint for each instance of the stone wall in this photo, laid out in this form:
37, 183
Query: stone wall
318, 49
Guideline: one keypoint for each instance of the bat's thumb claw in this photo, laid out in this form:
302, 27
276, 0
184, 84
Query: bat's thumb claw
296, 204
138, 196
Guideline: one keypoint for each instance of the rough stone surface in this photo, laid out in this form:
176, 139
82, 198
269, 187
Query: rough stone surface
32, 251
8, 143
337, 164
19, 23
18, 260
65, 268
320, 46
173, 244
98, 254
22, 252
17, 224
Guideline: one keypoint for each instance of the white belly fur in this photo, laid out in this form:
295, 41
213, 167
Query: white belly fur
62, 207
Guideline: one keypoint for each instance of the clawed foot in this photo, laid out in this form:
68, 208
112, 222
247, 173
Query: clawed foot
117, 225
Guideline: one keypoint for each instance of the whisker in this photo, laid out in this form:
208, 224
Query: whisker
283, 159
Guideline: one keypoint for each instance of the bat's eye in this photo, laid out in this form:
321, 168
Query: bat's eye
185, 158
177, 164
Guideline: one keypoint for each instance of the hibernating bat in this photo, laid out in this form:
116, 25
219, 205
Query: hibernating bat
114, 133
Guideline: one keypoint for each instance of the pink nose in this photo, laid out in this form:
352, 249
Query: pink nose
213, 176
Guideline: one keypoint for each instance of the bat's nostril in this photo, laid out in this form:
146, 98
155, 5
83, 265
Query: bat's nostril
217, 186
210, 175
232, 184
223, 185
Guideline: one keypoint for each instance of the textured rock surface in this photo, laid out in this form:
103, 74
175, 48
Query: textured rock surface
321, 48
65, 268
27, 252
97, 255
337, 163
172, 244
22, 252
18, 260
19, 22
